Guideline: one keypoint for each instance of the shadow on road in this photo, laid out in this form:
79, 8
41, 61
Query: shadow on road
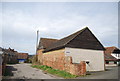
9, 70
107, 69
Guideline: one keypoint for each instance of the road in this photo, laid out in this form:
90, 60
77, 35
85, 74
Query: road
110, 73
25, 71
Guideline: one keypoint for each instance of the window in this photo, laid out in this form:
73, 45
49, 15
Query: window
115, 62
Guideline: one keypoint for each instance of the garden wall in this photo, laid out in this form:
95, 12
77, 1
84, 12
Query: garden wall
39, 56
58, 60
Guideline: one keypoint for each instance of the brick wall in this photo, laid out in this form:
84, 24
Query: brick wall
3, 69
0, 65
39, 55
4, 62
54, 59
0, 70
75, 69
58, 60
22, 55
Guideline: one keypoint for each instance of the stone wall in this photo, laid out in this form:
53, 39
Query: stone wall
58, 60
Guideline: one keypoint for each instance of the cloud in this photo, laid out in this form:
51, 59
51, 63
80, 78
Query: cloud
20, 24
60, 0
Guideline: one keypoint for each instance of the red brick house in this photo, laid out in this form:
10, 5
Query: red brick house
1, 60
11, 55
112, 55
22, 57
79, 46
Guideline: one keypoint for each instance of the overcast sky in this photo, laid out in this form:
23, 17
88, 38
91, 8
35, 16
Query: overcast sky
20, 21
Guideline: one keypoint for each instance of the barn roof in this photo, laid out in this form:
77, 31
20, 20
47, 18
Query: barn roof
64, 41
109, 57
108, 51
22, 55
113, 49
45, 42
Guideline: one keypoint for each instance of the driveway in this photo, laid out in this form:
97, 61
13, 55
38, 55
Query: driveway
25, 71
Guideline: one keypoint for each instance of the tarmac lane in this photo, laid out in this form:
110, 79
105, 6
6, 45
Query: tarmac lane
111, 72
25, 71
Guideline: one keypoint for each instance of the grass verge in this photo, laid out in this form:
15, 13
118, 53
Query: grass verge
57, 72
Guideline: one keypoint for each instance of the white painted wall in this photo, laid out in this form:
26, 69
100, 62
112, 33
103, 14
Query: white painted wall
95, 57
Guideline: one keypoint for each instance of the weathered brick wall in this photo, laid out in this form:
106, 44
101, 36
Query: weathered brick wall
4, 62
58, 60
0, 70
75, 69
39, 55
3, 69
0, 65
54, 59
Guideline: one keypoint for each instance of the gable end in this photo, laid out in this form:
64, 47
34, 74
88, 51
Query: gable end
85, 40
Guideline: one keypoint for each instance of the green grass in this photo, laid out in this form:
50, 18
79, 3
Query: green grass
57, 72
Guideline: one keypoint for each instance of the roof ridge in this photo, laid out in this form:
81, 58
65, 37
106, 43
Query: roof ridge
49, 38
74, 33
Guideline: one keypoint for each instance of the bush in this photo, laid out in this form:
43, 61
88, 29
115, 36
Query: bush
34, 59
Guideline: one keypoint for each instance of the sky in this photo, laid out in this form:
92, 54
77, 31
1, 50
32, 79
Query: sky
21, 20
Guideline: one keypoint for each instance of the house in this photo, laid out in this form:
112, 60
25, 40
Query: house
11, 55
1, 62
112, 55
81, 46
22, 57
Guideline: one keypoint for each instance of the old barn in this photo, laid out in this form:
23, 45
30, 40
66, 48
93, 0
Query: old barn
80, 46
